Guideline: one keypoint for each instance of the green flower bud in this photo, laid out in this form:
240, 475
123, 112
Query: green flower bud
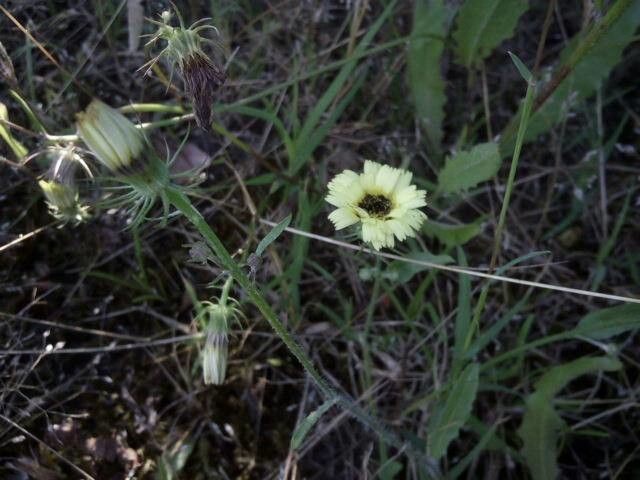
111, 137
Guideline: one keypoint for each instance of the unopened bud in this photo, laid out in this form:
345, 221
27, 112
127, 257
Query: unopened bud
111, 137
214, 358
63, 201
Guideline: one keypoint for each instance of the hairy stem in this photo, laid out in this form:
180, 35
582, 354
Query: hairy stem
179, 200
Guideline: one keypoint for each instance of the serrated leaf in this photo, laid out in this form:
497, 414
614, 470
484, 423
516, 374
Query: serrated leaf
445, 423
540, 430
305, 426
482, 25
423, 66
452, 235
588, 75
608, 322
541, 424
467, 169
272, 235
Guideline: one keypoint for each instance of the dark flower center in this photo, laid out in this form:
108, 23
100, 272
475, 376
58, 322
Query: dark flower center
375, 205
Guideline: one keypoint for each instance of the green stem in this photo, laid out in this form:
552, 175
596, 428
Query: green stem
366, 349
497, 241
179, 200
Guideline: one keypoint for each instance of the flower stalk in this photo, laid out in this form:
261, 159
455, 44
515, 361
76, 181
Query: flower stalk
180, 201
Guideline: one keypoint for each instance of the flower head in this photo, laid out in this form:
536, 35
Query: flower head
59, 185
382, 199
111, 137
215, 317
184, 50
63, 201
121, 147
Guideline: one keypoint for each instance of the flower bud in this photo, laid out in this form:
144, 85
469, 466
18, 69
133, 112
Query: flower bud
59, 186
111, 137
216, 348
63, 201
214, 358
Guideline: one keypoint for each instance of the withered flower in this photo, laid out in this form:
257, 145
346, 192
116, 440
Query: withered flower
184, 51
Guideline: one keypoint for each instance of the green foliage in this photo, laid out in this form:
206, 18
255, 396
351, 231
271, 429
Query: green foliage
171, 463
423, 66
314, 130
453, 411
541, 424
608, 322
467, 169
305, 426
453, 235
273, 235
482, 25
587, 76
522, 68
463, 314
18, 149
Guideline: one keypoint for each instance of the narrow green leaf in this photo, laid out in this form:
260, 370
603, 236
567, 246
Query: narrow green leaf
326, 100
305, 426
171, 463
463, 314
522, 68
609, 322
478, 450
541, 424
467, 169
423, 66
482, 25
452, 235
453, 412
19, 150
272, 235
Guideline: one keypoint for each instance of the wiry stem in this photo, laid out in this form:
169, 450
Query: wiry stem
179, 200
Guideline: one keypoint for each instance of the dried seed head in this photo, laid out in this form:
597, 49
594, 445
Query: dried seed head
184, 52
201, 79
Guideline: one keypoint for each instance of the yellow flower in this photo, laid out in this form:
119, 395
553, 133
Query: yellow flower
382, 199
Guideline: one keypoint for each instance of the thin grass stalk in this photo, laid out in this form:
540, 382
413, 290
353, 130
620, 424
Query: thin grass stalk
497, 241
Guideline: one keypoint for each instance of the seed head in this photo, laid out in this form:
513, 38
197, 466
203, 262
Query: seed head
184, 52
